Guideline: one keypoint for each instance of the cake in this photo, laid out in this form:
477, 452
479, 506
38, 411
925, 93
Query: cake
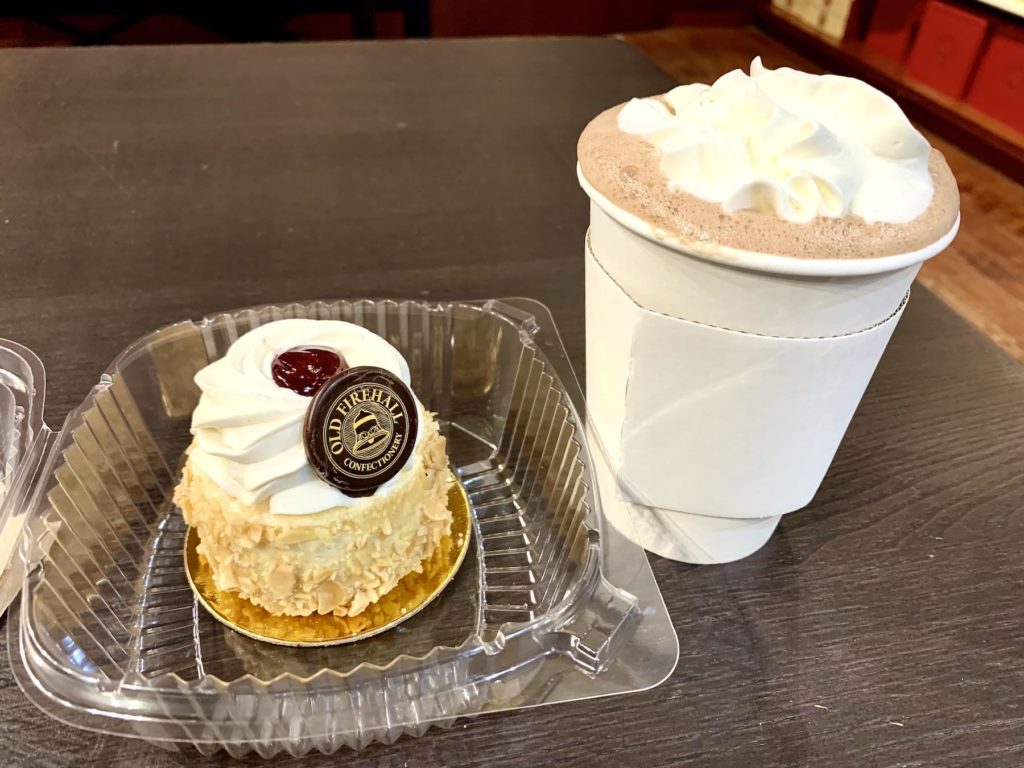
315, 478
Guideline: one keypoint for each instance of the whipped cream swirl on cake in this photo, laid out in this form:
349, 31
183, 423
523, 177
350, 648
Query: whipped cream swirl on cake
787, 142
249, 431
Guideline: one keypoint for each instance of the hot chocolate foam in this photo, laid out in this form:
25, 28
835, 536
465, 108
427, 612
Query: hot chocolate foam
781, 162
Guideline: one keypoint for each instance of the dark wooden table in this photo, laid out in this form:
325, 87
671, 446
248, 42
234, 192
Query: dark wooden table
882, 626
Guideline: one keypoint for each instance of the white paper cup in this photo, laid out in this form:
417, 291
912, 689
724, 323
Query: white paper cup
679, 536
718, 390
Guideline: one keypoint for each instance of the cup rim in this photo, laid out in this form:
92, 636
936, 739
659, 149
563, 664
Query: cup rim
767, 262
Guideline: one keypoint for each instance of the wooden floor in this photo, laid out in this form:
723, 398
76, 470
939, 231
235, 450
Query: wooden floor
981, 275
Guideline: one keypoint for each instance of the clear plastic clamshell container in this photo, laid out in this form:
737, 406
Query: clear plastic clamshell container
550, 606
23, 440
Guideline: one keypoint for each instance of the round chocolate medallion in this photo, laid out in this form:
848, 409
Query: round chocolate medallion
360, 429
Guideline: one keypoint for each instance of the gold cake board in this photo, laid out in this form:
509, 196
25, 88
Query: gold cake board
410, 596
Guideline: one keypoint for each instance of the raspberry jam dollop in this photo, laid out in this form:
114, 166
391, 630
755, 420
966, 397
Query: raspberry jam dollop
305, 369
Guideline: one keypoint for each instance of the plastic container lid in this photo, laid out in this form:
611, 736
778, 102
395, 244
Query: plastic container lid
551, 605
23, 439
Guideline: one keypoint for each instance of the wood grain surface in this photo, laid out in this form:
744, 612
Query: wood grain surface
982, 274
882, 626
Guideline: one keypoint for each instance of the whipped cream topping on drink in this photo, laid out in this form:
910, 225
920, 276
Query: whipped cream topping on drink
777, 161
784, 141
249, 429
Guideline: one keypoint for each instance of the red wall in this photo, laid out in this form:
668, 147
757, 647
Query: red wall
464, 18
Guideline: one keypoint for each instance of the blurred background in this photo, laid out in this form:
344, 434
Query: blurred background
128, 23
971, 51
955, 66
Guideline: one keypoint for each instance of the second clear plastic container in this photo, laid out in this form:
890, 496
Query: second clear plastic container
550, 606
